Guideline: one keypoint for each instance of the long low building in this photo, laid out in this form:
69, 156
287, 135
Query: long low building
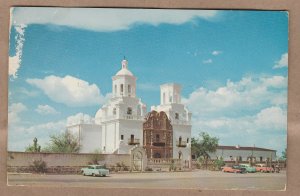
243, 153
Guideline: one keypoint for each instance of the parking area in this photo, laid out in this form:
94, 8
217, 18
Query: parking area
197, 179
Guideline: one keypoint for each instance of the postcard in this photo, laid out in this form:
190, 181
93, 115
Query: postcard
148, 98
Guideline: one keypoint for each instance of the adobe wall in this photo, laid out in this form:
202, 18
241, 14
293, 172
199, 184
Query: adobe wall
62, 162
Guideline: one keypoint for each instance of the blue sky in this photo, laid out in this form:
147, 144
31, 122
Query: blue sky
232, 66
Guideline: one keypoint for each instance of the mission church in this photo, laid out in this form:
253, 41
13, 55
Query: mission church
123, 123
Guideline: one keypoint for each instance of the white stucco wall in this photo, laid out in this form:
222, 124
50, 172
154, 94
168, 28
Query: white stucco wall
244, 154
89, 136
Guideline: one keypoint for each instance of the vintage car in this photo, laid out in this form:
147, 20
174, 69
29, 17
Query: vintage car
248, 168
233, 169
95, 170
263, 168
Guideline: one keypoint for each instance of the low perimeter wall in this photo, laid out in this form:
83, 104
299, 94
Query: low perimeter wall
64, 163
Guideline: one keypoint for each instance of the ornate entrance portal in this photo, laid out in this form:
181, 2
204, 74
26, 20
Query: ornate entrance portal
158, 135
138, 159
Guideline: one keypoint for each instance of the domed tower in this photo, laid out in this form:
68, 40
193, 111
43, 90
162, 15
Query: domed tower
122, 116
124, 82
180, 117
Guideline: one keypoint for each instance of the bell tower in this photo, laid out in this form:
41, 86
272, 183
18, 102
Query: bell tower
124, 82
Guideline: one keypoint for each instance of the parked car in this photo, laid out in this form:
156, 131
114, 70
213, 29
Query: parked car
263, 168
248, 168
95, 170
243, 170
232, 169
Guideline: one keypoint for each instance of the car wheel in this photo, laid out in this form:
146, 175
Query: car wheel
94, 174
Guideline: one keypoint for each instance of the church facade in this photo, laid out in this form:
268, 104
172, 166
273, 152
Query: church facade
123, 122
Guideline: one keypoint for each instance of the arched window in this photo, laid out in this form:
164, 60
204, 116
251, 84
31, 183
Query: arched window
116, 89
129, 110
129, 88
114, 111
121, 88
157, 137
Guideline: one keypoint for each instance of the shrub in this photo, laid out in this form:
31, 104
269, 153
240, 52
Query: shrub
218, 163
39, 166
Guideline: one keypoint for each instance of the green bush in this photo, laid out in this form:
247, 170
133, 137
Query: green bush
39, 166
218, 163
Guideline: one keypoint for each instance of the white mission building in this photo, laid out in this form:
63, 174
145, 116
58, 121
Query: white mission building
118, 125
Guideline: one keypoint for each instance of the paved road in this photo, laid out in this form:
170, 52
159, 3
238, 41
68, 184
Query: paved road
196, 180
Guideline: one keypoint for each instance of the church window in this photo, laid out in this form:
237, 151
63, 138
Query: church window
170, 99
129, 111
187, 140
121, 88
157, 137
122, 137
114, 111
132, 138
176, 116
164, 98
129, 88
116, 89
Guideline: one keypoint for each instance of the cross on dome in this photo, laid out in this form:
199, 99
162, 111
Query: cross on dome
124, 71
124, 63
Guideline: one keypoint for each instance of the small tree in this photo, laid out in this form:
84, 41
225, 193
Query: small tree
218, 163
97, 156
283, 155
33, 148
39, 166
64, 142
204, 145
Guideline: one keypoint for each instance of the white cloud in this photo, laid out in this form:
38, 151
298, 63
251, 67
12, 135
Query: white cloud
208, 61
15, 61
216, 52
45, 109
263, 129
273, 118
246, 94
14, 111
69, 90
79, 118
20, 134
283, 62
246, 112
106, 19
28, 93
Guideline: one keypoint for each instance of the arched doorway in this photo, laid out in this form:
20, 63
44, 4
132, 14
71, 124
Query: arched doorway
137, 161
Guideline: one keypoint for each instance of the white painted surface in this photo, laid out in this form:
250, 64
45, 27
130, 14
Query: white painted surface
233, 154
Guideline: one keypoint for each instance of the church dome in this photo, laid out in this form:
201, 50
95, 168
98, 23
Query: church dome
124, 71
98, 116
